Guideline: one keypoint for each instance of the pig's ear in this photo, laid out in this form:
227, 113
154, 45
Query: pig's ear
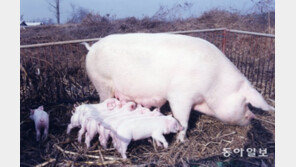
111, 105
76, 105
31, 111
132, 106
40, 108
169, 125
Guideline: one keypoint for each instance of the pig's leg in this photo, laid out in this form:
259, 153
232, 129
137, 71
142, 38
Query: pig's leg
160, 137
87, 140
123, 148
181, 107
103, 90
114, 140
91, 128
103, 141
157, 143
81, 132
69, 128
204, 108
38, 134
45, 133
102, 137
88, 137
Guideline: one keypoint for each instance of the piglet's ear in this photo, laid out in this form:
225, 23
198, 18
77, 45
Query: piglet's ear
132, 107
32, 111
40, 108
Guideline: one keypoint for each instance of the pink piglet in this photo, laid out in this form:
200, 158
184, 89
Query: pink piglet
41, 120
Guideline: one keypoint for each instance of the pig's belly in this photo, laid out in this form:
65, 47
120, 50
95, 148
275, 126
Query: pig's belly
143, 99
147, 89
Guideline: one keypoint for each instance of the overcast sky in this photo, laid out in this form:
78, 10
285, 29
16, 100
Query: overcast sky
39, 9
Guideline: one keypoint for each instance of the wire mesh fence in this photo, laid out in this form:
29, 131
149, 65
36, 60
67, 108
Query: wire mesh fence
55, 72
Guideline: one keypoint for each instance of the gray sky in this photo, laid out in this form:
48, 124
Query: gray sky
39, 9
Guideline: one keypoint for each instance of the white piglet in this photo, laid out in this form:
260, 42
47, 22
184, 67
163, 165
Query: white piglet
141, 128
41, 121
80, 111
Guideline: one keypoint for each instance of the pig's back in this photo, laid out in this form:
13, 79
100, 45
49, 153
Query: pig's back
149, 63
141, 127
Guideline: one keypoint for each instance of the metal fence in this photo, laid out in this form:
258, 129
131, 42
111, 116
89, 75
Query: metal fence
55, 72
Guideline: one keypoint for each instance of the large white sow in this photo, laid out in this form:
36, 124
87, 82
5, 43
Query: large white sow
189, 72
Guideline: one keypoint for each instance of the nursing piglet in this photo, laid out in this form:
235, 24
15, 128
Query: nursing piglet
78, 116
90, 119
141, 128
41, 120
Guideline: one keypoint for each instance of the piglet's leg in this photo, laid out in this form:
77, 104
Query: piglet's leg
81, 132
123, 148
38, 135
114, 140
37, 128
102, 137
45, 133
87, 139
69, 128
103, 141
159, 137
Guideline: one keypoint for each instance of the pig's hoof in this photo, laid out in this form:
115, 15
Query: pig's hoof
181, 138
165, 145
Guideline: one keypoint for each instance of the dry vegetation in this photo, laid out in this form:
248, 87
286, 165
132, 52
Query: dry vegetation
93, 26
206, 136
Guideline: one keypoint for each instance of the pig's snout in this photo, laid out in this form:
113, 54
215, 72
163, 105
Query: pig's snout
247, 119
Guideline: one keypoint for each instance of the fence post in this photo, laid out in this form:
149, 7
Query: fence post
224, 41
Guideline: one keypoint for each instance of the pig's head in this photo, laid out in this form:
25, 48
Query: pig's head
242, 116
75, 118
112, 103
247, 117
172, 125
32, 111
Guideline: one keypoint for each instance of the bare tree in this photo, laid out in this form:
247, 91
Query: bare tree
176, 12
78, 14
264, 6
22, 17
55, 8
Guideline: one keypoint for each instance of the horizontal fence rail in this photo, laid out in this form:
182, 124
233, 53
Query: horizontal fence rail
55, 72
172, 32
